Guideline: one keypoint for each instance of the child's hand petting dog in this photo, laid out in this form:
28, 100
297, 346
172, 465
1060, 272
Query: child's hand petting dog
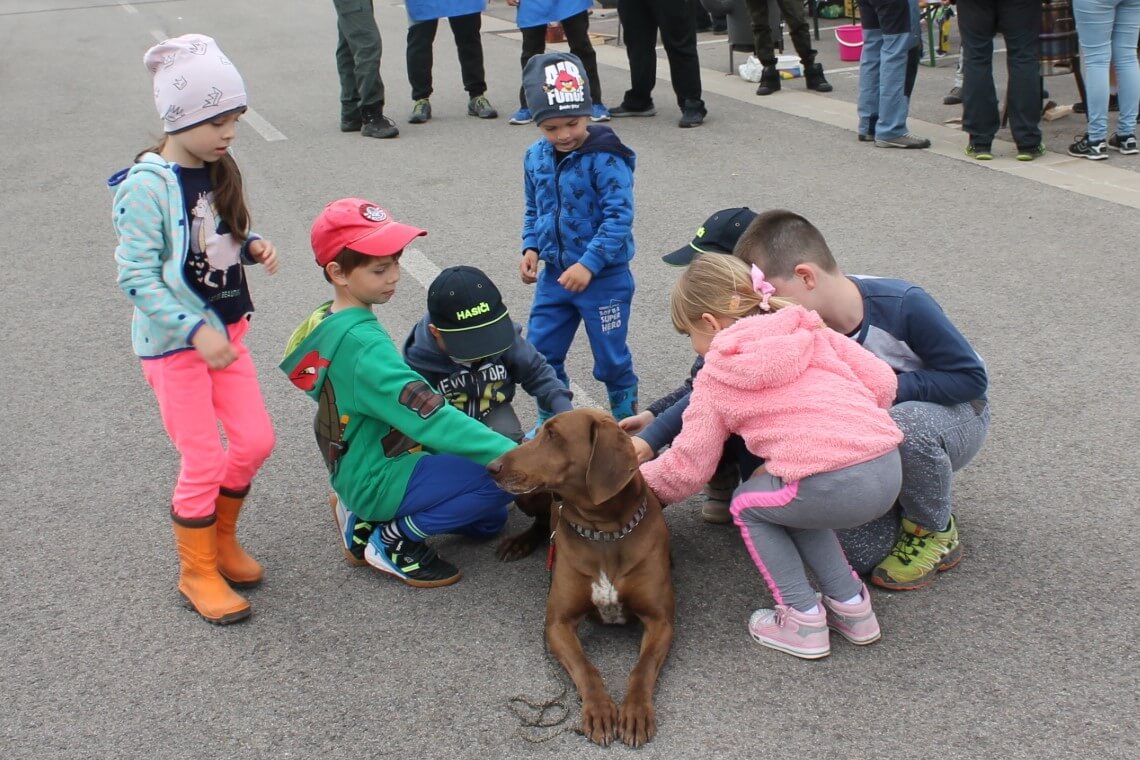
643, 449
638, 422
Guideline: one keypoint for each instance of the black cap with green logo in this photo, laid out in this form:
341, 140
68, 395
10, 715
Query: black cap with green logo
718, 234
468, 310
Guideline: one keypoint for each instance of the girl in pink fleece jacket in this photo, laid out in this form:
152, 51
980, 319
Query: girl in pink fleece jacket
810, 402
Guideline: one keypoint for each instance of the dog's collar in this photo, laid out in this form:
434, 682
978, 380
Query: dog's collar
613, 535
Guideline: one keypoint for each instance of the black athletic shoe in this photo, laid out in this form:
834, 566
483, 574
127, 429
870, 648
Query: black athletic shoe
621, 112
691, 117
1093, 150
376, 124
413, 562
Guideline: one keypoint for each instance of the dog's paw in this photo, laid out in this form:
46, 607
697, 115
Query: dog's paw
599, 720
637, 723
518, 546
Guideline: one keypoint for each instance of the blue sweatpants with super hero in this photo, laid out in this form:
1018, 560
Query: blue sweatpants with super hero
603, 308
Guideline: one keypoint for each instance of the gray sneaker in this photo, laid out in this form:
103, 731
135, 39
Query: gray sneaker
481, 107
903, 141
421, 112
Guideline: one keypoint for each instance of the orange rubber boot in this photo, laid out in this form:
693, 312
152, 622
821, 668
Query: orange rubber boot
199, 582
234, 564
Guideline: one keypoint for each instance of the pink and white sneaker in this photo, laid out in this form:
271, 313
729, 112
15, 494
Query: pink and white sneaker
855, 622
793, 632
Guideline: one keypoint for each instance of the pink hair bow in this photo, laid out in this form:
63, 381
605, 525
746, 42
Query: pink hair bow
762, 287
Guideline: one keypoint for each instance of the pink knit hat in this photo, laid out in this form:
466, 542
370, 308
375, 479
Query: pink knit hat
193, 81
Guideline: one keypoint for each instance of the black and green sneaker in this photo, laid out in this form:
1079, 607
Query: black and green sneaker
354, 532
413, 562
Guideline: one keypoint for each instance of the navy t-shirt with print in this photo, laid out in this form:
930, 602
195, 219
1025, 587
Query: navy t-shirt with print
213, 263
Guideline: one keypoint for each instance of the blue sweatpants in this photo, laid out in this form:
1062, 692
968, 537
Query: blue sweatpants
451, 494
603, 307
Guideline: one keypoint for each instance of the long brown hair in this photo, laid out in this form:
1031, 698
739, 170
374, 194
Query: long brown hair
229, 191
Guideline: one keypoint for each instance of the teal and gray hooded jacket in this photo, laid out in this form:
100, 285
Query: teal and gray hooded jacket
154, 236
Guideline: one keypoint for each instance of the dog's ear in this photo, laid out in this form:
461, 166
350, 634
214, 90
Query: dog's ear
612, 461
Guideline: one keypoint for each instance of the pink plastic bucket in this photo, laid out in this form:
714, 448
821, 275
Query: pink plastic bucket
850, 39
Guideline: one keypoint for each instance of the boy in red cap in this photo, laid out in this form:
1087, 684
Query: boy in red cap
376, 416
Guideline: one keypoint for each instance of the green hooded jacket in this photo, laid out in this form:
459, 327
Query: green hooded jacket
375, 416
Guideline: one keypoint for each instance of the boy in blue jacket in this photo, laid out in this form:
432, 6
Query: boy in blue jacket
941, 404
579, 222
471, 351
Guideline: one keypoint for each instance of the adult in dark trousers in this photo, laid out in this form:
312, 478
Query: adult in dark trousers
793, 13
574, 16
1019, 22
641, 20
358, 64
466, 21
887, 68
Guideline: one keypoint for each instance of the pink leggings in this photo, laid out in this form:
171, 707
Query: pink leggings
192, 399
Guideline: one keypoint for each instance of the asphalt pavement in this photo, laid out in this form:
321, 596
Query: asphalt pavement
1026, 650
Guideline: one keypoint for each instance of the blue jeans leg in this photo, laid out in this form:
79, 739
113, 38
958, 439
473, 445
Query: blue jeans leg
1104, 28
869, 66
1124, 58
893, 102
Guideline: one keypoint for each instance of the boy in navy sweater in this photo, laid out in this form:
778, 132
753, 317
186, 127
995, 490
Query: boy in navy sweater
578, 221
941, 405
468, 348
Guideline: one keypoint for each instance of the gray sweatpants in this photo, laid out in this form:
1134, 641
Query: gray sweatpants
788, 524
504, 421
940, 440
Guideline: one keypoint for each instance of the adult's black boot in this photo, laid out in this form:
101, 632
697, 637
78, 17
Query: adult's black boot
769, 81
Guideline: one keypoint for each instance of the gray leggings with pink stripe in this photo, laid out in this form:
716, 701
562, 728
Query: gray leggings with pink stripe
786, 525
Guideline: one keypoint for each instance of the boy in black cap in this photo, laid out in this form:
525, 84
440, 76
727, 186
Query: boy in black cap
470, 350
658, 425
578, 221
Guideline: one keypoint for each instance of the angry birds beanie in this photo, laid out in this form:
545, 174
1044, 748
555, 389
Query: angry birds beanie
555, 85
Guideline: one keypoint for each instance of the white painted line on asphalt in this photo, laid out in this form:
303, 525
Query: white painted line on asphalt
423, 270
130, 9
263, 127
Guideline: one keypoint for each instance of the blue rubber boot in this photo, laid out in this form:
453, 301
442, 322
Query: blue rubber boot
543, 416
623, 402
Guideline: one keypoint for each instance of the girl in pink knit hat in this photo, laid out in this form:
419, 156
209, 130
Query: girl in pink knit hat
184, 238
812, 404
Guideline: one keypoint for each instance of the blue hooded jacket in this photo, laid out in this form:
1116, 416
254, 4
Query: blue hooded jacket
580, 211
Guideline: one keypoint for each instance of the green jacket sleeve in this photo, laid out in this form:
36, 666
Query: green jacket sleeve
384, 387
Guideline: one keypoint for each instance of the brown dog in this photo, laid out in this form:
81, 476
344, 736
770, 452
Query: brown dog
612, 559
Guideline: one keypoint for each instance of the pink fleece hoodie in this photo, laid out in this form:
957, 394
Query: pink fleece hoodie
802, 396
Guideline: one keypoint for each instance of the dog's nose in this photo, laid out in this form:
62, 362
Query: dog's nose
495, 467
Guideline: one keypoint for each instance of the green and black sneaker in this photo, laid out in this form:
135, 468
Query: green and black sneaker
918, 556
354, 532
413, 562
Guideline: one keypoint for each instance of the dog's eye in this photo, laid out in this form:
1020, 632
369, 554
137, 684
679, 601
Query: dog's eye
550, 432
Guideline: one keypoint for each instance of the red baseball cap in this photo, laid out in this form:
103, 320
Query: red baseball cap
360, 225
